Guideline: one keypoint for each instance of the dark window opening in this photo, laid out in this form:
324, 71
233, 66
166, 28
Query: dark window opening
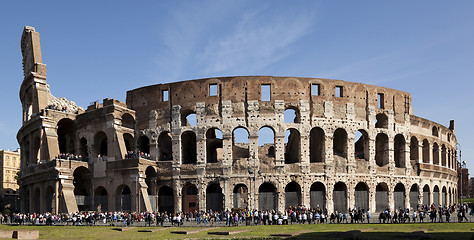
339, 92
189, 153
292, 146
380, 100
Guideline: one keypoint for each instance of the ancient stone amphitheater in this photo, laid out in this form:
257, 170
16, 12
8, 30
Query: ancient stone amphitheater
257, 142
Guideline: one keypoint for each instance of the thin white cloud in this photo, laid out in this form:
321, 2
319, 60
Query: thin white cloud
257, 40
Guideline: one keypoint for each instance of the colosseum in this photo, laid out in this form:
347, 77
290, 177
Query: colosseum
256, 142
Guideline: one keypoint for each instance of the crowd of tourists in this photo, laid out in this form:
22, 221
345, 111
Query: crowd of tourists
136, 154
70, 156
292, 215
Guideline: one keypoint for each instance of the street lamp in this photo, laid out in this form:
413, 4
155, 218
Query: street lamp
461, 164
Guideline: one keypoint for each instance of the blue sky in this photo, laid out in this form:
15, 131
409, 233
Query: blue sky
99, 49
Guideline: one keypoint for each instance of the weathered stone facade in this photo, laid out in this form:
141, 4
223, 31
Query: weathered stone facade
333, 144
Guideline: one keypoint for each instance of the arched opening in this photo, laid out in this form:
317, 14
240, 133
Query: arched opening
240, 143
188, 148
381, 197
399, 151
101, 203
414, 155
444, 197
317, 196
83, 149
165, 199
361, 196
426, 151
292, 146
190, 198
143, 145
241, 197
450, 199
414, 196
435, 154
316, 145
266, 143
165, 146
188, 118
67, 136
340, 143
100, 143
436, 195
267, 197
443, 155
434, 131
292, 115
37, 201
128, 121
381, 149
339, 197
426, 195
83, 188
49, 199
150, 181
381, 121
399, 196
214, 197
129, 142
123, 198
361, 145
449, 158
292, 195
214, 150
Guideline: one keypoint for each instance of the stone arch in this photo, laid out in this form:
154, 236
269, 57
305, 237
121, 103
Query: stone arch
241, 196
129, 142
292, 146
361, 145
190, 198
399, 151
165, 146
317, 145
317, 194
435, 154
292, 195
240, 143
267, 196
266, 142
444, 196
414, 196
37, 201
49, 199
83, 148
340, 143
414, 155
165, 199
188, 117
101, 202
381, 150
214, 150
83, 188
339, 197
100, 143
188, 148
399, 196
426, 195
436, 195
361, 195
214, 197
143, 144
67, 136
381, 197
123, 198
381, 121
426, 151
434, 131
150, 180
292, 115
443, 155
128, 121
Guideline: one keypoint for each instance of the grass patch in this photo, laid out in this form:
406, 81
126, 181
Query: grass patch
456, 231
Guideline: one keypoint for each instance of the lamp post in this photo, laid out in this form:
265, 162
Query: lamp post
461, 164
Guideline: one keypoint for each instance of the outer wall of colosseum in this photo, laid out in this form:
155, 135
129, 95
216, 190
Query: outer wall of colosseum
234, 142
